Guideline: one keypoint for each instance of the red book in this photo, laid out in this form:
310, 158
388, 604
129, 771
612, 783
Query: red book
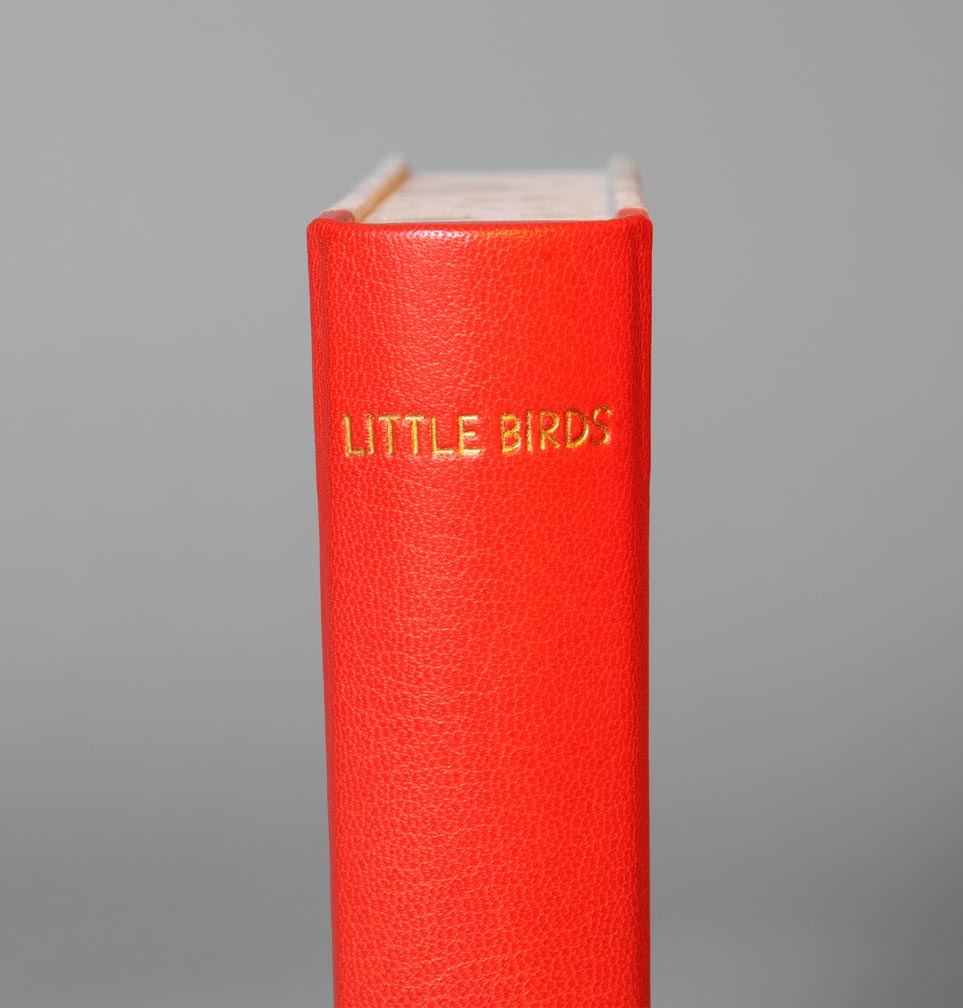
481, 377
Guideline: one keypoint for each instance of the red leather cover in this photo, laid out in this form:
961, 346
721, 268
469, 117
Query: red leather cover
485, 608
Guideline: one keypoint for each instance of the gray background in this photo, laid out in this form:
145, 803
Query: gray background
162, 840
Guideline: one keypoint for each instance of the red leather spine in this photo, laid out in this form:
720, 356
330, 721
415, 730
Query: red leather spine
482, 430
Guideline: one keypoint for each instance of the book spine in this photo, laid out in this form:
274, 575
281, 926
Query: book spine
482, 431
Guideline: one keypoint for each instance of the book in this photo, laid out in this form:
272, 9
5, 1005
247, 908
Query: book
481, 351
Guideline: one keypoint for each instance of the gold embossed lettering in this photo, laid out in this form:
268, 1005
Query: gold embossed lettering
461, 435
369, 426
570, 441
413, 419
606, 433
433, 430
546, 433
389, 420
349, 448
511, 427
465, 433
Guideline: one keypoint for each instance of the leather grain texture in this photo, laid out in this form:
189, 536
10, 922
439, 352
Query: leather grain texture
485, 612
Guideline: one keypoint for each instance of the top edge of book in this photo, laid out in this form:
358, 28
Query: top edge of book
393, 194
